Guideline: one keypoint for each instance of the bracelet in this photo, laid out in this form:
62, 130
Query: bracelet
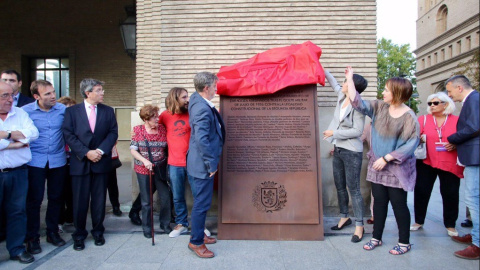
386, 161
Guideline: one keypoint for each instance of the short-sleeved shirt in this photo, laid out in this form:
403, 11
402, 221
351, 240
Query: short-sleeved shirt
178, 136
157, 143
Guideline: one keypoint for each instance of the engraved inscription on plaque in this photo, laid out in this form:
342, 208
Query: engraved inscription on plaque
269, 196
271, 148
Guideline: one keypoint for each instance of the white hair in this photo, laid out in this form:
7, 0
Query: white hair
450, 105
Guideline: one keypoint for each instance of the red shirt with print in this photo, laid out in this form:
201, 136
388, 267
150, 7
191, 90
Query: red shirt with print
178, 136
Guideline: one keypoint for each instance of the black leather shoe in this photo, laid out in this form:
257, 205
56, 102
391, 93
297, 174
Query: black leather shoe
78, 244
23, 257
467, 223
356, 238
55, 239
33, 246
147, 235
117, 212
135, 218
336, 228
99, 240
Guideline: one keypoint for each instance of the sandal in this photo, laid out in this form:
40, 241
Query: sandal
400, 249
373, 243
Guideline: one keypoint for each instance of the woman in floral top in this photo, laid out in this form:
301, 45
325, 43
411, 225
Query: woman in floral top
391, 167
156, 136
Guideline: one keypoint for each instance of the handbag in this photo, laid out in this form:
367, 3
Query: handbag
159, 167
421, 150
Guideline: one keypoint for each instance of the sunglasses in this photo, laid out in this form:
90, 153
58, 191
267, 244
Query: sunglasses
435, 103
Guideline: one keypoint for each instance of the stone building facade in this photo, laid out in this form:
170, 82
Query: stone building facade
176, 39
447, 34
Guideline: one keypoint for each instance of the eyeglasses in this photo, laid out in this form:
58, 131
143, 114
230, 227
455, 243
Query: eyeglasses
435, 103
6, 96
98, 91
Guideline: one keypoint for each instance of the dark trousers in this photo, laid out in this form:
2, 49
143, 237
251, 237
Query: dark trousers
89, 189
137, 204
164, 197
201, 204
13, 195
449, 189
398, 197
55, 177
113, 188
66, 213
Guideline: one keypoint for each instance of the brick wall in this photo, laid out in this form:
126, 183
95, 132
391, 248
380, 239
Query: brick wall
176, 39
86, 31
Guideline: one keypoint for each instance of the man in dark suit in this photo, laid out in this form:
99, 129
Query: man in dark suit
467, 141
206, 142
90, 130
14, 79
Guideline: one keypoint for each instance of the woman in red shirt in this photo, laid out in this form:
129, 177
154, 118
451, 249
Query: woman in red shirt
154, 136
439, 124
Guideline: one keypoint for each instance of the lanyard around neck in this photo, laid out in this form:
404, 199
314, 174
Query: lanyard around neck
439, 130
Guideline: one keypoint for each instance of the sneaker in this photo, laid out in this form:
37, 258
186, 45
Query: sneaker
207, 232
179, 229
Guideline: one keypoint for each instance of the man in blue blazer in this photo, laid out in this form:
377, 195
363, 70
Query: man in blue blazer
467, 141
90, 130
206, 142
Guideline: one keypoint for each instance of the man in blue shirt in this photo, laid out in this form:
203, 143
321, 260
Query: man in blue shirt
48, 163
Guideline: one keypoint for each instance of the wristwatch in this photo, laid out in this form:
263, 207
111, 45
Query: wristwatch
9, 132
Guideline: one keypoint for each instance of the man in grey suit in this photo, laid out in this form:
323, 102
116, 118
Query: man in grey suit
206, 142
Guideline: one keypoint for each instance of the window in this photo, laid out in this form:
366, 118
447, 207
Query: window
442, 55
435, 58
442, 19
54, 70
468, 44
450, 51
459, 47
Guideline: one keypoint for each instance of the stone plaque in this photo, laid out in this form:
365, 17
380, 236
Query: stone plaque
270, 171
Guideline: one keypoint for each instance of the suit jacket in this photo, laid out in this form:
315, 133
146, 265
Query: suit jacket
24, 100
467, 137
80, 139
206, 139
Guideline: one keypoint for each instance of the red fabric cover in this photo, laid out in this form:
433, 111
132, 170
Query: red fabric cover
272, 70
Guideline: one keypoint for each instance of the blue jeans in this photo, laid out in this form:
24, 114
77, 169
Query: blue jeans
178, 175
347, 166
471, 176
13, 197
201, 204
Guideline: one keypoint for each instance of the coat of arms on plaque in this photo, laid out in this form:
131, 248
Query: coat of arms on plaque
269, 196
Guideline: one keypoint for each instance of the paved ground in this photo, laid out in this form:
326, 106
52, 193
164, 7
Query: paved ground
126, 248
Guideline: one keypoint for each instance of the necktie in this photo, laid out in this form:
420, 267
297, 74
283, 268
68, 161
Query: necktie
92, 119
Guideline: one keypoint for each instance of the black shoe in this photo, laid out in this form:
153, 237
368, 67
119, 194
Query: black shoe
356, 238
33, 246
23, 257
117, 212
99, 240
2, 237
135, 218
55, 239
336, 228
147, 235
467, 223
166, 229
78, 244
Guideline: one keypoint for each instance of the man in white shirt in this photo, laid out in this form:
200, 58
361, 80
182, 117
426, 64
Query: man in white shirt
16, 132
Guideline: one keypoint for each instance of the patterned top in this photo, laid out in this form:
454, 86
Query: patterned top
157, 143
395, 136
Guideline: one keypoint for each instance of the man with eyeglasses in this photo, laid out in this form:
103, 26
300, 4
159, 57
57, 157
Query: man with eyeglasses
16, 132
467, 141
90, 130
48, 164
14, 79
